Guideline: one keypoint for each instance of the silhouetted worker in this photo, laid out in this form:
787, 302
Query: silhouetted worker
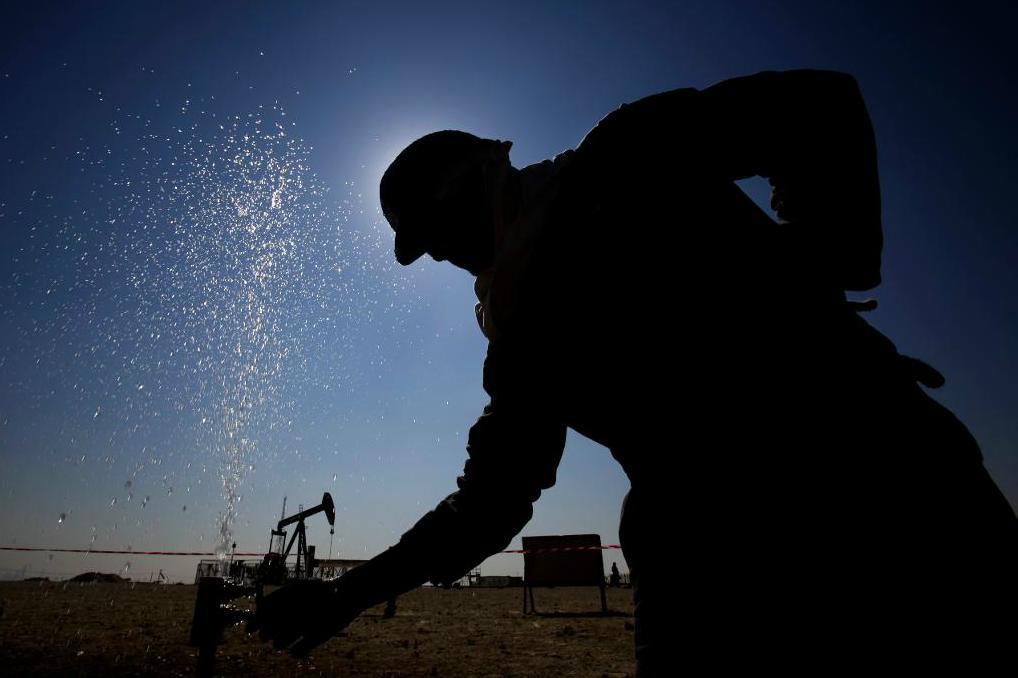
615, 579
819, 505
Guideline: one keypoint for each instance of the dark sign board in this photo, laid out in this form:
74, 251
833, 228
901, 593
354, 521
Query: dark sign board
563, 560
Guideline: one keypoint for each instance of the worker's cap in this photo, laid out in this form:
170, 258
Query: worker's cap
421, 179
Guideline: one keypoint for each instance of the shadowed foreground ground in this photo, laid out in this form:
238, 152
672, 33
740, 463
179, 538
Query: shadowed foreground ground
142, 629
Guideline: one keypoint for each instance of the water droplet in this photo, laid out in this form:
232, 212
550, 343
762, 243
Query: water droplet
333, 477
113, 502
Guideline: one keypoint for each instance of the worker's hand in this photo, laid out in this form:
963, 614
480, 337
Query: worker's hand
303, 614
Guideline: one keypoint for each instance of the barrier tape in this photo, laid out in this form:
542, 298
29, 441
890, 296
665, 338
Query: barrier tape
129, 553
202, 553
566, 548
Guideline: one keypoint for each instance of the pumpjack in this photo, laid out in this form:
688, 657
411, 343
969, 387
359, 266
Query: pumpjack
273, 567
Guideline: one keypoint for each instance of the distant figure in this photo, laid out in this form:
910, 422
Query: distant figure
797, 498
615, 579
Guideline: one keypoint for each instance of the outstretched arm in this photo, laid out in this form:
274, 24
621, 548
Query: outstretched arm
514, 449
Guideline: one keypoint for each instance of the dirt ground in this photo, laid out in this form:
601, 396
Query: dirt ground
70, 629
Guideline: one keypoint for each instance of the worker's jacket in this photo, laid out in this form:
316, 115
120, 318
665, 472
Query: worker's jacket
644, 301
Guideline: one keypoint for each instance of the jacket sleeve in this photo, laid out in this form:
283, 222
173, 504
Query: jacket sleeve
513, 449
806, 131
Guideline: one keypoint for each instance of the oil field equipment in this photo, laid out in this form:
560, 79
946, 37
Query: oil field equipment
273, 568
214, 609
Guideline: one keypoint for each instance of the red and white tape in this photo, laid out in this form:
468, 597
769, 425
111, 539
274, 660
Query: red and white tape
203, 553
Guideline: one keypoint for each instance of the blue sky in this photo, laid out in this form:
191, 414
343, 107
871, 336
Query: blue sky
346, 364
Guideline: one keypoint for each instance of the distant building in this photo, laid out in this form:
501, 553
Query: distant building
327, 568
246, 571
493, 581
